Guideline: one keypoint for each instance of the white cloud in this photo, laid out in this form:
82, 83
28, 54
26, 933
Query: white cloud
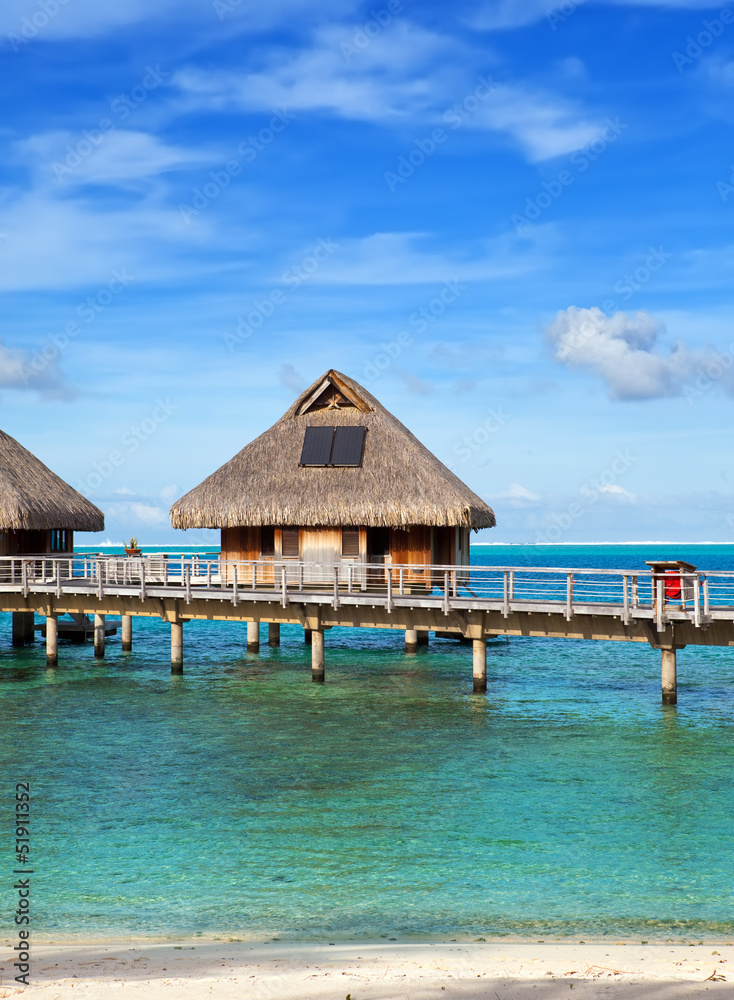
291, 379
719, 71
394, 78
406, 75
71, 18
616, 490
91, 18
518, 493
120, 156
16, 372
543, 124
170, 493
66, 243
622, 350
137, 512
401, 259
499, 15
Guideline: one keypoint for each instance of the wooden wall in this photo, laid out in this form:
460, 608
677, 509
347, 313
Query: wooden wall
322, 545
450, 546
241, 543
413, 546
316, 544
19, 543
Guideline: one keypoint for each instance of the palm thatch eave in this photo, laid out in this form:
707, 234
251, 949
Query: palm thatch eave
33, 498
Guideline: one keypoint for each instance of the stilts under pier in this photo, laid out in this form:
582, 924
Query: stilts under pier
667, 612
127, 633
176, 647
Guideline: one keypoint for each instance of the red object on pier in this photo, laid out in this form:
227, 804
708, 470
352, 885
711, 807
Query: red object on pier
676, 578
672, 586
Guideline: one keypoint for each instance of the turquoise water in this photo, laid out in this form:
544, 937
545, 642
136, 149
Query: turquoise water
243, 800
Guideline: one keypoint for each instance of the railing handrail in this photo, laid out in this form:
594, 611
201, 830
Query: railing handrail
695, 595
375, 567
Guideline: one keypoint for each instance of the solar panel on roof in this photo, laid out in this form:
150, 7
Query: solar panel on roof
348, 446
317, 446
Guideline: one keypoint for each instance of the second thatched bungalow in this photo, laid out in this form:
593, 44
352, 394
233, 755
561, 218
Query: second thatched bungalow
337, 479
39, 512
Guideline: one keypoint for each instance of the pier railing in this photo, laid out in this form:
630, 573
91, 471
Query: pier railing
698, 597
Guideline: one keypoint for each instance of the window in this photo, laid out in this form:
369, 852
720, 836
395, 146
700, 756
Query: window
290, 543
350, 541
267, 541
58, 540
333, 446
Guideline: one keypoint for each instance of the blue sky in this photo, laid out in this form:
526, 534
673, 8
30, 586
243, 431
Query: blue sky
511, 220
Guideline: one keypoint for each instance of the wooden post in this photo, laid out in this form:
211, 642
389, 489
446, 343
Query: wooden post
273, 634
423, 637
176, 647
317, 655
307, 636
22, 627
52, 641
253, 636
411, 640
127, 633
669, 678
99, 637
480, 665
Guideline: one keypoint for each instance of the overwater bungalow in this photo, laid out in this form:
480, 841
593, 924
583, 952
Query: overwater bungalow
337, 479
39, 512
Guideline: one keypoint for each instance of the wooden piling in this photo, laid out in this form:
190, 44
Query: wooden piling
423, 637
23, 627
669, 676
411, 640
176, 647
127, 633
317, 655
253, 636
52, 640
479, 647
273, 634
99, 636
18, 628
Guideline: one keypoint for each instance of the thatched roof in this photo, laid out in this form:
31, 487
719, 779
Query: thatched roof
399, 483
34, 498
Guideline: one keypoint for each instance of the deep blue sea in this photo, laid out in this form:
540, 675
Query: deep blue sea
241, 800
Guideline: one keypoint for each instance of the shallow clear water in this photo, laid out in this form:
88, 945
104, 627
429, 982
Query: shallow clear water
242, 799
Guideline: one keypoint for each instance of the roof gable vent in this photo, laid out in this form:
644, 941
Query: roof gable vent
332, 394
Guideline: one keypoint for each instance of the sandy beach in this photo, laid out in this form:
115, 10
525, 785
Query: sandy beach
376, 971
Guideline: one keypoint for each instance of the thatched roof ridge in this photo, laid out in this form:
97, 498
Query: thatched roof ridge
34, 498
400, 482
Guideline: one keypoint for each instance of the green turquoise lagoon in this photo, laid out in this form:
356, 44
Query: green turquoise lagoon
242, 800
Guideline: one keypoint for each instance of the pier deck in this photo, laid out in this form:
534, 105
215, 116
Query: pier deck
667, 610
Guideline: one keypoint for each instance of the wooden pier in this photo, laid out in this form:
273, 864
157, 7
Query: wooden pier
667, 608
